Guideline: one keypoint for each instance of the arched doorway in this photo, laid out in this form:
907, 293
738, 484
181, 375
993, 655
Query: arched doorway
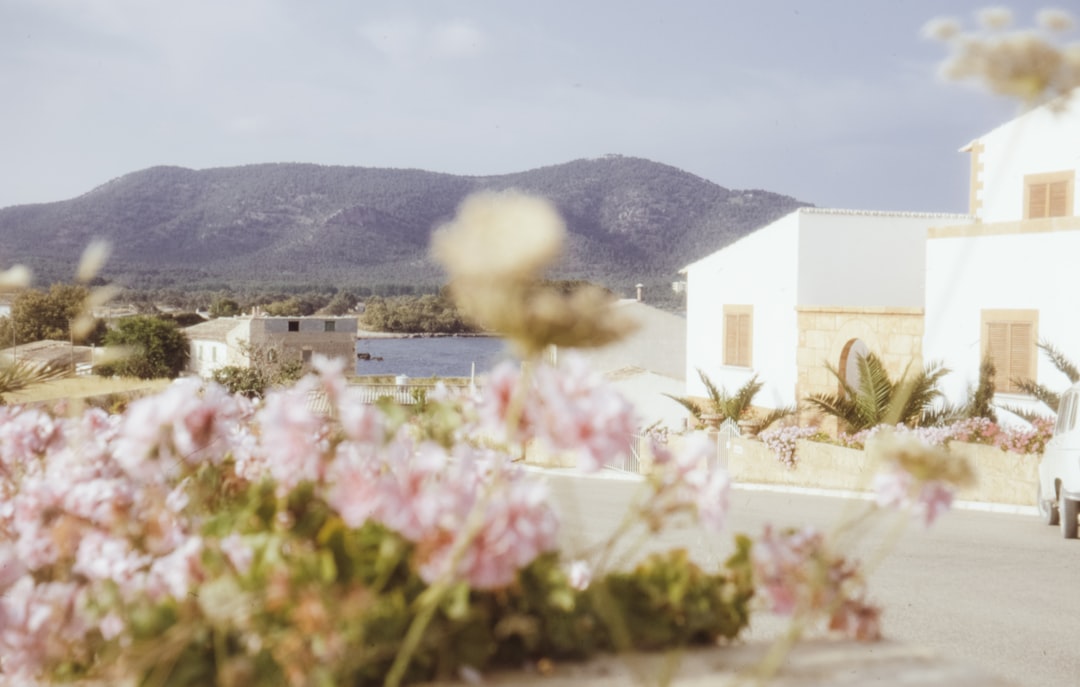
849, 361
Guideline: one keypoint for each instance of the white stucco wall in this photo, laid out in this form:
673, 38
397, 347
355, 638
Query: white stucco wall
1039, 141
966, 275
853, 258
761, 270
207, 356
658, 344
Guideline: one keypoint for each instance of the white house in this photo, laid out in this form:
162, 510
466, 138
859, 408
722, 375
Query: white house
648, 363
227, 340
813, 287
1002, 282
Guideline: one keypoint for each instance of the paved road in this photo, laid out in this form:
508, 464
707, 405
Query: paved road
998, 591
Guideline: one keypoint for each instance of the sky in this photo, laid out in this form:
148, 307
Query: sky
835, 103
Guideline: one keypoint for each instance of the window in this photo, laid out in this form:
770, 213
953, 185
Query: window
1008, 337
213, 354
738, 328
305, 355
328, 325
1048, 195
294, 325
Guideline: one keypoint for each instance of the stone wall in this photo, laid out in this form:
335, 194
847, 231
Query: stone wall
825, 334
1002, 477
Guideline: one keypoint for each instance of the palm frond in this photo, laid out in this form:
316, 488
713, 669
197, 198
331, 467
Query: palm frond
945, 414
1060, 361
737, 405
916, 395
980, 401
21, 374
840, 407
715, 394
1024, 413
760, 425
689, 404
1041, 393
875, 390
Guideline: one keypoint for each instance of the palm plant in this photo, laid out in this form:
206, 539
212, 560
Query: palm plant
737, 406
1041, 392
979, 401
878, 399
18, 375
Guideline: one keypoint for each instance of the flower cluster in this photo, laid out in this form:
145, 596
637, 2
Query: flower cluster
799, 576
782, 440
1021, 63
285, 529
977, 430
566, 409
917, 475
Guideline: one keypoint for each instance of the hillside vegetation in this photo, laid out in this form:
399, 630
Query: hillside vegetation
270, 225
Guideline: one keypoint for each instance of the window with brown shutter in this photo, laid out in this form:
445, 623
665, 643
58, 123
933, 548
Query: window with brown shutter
1048, 195
1009, 338
738, 334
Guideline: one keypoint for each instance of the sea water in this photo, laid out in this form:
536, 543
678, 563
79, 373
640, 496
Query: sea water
436, 356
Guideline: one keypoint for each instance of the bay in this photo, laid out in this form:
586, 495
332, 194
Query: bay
435, 356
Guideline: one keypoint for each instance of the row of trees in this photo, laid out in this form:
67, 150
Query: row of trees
428, 313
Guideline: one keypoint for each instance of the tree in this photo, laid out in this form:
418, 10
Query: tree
878, 399
224, 307
38, 315
267, 367
158, 348
735, 406
341, 303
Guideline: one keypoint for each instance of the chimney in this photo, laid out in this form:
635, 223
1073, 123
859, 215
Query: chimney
639, 288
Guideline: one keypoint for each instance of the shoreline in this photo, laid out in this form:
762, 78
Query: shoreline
362, 334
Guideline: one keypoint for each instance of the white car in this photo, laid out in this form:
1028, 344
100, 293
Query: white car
1059, 469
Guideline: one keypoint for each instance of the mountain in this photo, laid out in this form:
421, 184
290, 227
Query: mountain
629, 219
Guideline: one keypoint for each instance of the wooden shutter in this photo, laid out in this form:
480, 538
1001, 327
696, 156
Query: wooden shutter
1057, 199
737, 338
1019, 352
997, 345
731, 339
1010, 346
1037, 205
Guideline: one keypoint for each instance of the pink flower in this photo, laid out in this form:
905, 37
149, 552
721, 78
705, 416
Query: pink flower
935, 499
238, 551
503, 408
174, 574
798, 575
102, 557
291, 438
577, 412
184, 423
517, 526
41, 622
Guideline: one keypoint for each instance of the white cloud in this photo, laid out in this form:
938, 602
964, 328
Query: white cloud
397, 39
458, 39
402, 40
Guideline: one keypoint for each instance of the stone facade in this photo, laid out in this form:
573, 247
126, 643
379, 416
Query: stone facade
826, 335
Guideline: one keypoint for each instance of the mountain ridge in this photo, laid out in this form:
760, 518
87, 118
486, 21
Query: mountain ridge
627, 218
